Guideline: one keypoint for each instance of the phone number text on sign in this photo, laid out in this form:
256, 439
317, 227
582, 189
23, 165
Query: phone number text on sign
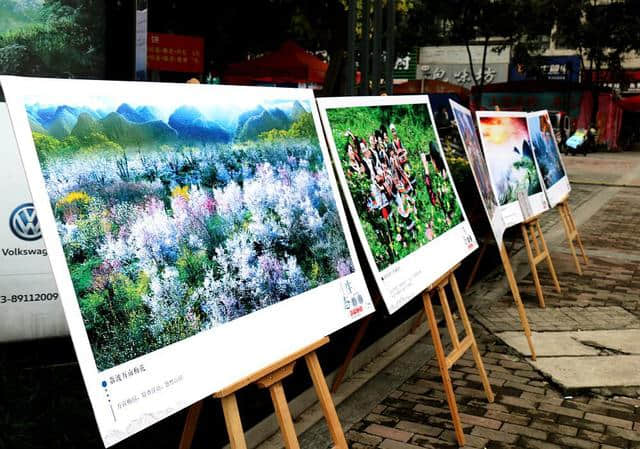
28, 297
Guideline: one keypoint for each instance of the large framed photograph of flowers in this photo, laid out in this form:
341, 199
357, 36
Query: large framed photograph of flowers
512, 165
473, 149
399, 190
555, 180
194, 234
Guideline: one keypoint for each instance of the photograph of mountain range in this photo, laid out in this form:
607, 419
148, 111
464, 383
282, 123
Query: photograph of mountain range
176, 218
509, 156
545, 148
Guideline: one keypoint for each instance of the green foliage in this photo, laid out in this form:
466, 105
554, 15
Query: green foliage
82, 275
61, 37
390, 240
118, 317
302, 128
192, 266
47, 146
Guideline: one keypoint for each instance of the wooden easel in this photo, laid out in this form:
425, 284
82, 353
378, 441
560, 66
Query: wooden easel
446, 361
362, 330
572, 233
515, 292
537, 253
271, 377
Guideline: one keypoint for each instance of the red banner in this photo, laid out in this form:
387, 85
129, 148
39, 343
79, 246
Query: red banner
175, 53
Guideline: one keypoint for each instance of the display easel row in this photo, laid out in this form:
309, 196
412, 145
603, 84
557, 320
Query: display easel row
199, 240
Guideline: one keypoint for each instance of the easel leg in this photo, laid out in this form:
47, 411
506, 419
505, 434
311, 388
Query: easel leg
416, 322
511, 279
474, 346
283, 414
324, 397
532, 264
476, 265
578, 238
190, 425
442, 364
570, 235
549, 262
233, 422
352, 351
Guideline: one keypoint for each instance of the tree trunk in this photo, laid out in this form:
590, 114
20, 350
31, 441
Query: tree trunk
482, 69
334, 81
595, 95
473, 72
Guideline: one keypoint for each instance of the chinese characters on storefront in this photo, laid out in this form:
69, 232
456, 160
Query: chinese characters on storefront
451, 64
175, 53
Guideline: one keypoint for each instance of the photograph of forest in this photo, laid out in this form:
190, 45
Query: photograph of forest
61, 38
509, 156
176, 218
397, 177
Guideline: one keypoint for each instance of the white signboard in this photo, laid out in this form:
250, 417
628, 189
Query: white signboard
193, 232
451, 64
400, 193
29, 303
555, 180
512, 165
455, 54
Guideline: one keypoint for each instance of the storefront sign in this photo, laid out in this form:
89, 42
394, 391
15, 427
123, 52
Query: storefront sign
405, 66
563, 68
451, 64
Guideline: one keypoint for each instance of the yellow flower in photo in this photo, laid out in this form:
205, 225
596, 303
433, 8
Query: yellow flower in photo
180, 192
74, 197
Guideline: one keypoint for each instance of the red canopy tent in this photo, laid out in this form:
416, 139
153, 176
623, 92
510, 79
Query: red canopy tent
631, 104
289, 64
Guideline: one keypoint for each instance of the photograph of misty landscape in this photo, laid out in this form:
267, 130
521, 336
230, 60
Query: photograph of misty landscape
509, 157
176, 218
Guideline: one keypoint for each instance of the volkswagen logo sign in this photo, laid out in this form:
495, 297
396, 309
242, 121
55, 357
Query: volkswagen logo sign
24, 222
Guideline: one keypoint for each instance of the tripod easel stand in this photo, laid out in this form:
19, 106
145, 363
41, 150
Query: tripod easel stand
537, 251
460, 347
515, 292
271, 377
571, 231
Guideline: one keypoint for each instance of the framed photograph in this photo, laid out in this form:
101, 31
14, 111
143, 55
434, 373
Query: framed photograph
478, 164
512, 165
555, 180
399, 190
194, 232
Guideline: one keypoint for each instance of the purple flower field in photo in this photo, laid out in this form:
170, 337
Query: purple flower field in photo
176, 222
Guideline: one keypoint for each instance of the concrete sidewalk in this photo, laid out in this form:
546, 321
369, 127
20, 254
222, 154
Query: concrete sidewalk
590, 330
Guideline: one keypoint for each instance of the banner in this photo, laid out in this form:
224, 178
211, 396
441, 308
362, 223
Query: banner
175, 53
29, 302
141, 44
